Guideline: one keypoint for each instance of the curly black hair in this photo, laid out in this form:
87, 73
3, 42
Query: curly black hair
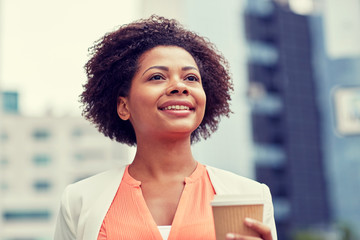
114, 62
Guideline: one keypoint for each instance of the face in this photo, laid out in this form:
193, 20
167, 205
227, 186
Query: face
166, 98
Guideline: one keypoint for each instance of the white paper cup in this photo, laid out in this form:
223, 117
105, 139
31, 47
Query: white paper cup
230, 211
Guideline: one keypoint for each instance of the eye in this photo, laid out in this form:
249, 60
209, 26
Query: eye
156, 77
192, 78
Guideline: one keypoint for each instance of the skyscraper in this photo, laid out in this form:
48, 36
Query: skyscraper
285, 117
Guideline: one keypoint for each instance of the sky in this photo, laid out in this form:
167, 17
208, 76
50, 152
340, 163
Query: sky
44, 43
44, 46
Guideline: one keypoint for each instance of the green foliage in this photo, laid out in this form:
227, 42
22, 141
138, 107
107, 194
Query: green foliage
347, 232
308, 235
338, 232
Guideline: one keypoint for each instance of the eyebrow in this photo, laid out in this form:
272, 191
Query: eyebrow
189, 68
167, 69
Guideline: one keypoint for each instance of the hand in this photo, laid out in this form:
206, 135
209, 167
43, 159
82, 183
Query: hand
259, 227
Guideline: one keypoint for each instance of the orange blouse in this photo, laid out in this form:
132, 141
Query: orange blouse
129, 217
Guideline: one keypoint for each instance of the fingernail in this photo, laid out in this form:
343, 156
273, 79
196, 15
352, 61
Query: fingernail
230, 236
249, 221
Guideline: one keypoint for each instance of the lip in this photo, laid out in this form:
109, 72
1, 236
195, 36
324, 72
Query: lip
177, 103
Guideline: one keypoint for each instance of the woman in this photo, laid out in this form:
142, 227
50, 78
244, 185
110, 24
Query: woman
155, 85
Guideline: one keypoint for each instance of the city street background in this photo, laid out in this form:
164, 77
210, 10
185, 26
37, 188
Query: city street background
296, 106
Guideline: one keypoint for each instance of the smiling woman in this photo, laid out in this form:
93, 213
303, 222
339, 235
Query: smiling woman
160, 87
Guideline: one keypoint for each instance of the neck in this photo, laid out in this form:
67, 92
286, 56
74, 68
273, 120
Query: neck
162, 159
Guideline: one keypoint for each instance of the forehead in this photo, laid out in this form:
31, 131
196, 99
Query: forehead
167, 55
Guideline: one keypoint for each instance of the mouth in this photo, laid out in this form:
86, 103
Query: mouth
176, 107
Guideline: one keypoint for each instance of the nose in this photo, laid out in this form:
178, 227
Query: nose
177, 88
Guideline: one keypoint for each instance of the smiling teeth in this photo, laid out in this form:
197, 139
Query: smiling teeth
176, 107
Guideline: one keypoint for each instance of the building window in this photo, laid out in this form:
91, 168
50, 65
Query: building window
269, 154
263, 101
41, 134
3, 161
10, 102
89, 155
41, 160
261, 8
79, 157
4, 137
282, 208
262, 53
42, 185
26, 215
4, 186
77, 132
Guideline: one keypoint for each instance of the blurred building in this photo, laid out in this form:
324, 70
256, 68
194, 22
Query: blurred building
336, 36
304, 87
285, 116
39, 156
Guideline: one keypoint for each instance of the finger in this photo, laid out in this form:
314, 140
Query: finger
233, 236
259, 227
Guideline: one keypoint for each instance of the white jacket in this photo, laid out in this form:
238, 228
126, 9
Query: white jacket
84, 204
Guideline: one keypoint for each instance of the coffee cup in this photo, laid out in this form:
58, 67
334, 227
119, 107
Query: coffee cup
230, 211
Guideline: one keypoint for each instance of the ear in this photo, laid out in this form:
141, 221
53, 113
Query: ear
122, 108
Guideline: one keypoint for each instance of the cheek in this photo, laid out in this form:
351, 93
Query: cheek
201, 102
140, 98
202, 99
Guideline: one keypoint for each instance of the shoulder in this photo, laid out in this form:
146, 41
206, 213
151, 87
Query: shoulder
79, 197
97, 181
226, 182
229, 176
91, 187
